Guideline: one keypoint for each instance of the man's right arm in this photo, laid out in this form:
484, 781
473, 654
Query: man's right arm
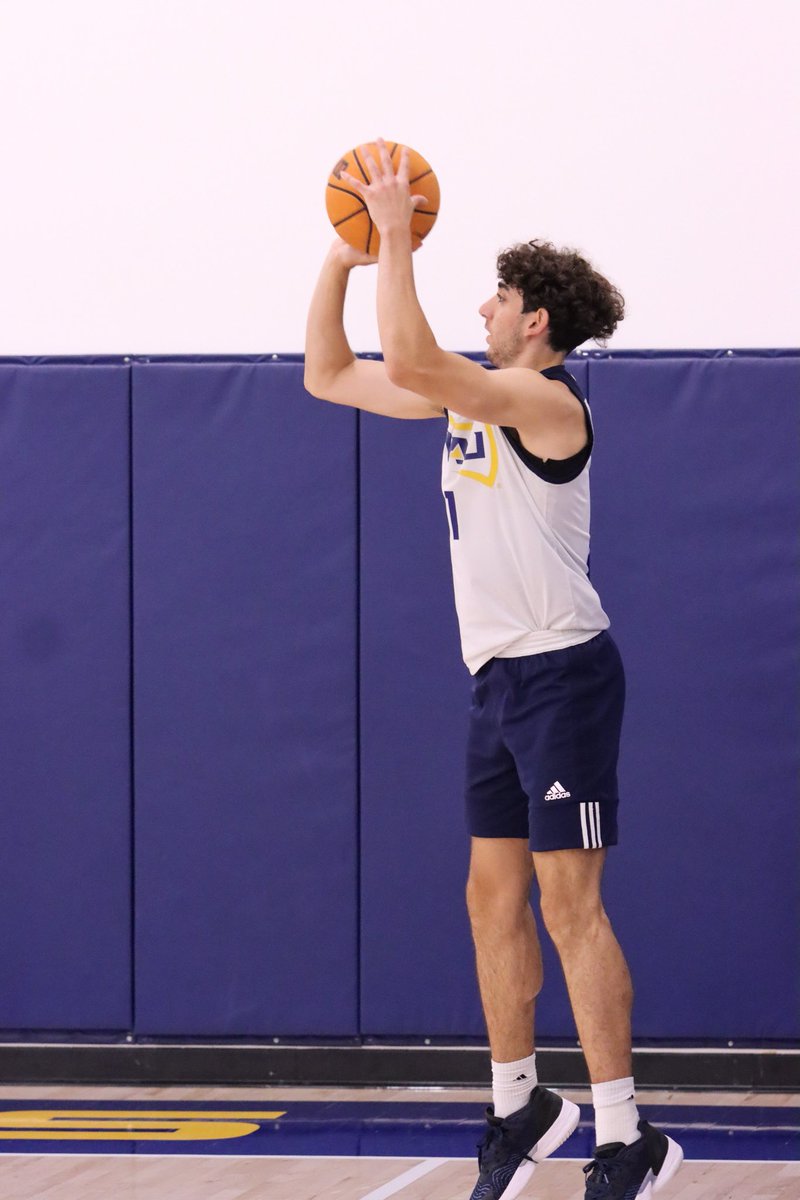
332, 371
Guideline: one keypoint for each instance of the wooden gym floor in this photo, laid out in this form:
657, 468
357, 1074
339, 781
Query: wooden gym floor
60, 1160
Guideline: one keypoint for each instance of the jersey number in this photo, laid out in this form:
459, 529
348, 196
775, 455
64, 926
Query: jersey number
451, 512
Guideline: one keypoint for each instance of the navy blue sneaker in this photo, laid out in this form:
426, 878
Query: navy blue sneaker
619, 1172
512, 1146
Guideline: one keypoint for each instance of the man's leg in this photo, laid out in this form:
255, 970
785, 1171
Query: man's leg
526, 1122
632, 1157
597, 976
507, 952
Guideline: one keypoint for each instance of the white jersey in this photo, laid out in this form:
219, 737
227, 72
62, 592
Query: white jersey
519, 541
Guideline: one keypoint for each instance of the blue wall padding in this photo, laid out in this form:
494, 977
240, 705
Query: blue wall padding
695, 551
300, 705
64, 698
245, 703
414, 701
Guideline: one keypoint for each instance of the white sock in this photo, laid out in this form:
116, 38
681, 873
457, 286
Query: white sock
512, 1084
615, 1113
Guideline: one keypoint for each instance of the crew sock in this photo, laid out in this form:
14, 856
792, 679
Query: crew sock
512, 1084
615, 1113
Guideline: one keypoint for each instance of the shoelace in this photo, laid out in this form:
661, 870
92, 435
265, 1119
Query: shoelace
600, 1174
492, 1144
491, 1141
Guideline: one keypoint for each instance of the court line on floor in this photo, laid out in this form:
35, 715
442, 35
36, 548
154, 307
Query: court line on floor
402, 1181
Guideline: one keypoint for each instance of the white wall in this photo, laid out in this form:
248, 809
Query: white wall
164, 162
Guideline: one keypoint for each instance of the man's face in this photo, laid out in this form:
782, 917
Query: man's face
504, 323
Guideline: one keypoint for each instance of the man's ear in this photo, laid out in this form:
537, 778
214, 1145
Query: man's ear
537, 322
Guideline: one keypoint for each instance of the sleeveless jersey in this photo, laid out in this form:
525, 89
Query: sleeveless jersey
519, 541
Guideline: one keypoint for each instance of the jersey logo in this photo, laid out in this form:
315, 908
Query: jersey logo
475, 446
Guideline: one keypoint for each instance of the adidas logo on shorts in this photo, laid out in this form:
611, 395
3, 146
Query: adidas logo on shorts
557, 792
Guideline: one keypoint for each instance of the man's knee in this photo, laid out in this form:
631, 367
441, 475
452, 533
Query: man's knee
569, 885
498, 887
494, 904
567, 920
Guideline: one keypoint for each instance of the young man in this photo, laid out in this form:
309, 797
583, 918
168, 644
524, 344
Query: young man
548, 688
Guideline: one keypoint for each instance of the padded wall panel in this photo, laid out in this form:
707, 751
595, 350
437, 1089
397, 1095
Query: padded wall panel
64, 698
416, 958
414, 700
695, 552
245, 617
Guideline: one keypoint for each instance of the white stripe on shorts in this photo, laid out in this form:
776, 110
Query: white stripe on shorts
590, 826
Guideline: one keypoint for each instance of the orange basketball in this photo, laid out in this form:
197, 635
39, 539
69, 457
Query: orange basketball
348, 212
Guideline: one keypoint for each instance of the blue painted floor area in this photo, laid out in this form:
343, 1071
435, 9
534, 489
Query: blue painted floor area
354, 1128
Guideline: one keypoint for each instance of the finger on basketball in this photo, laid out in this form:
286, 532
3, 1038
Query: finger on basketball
358, 185
371, 165
383, 152
402, 170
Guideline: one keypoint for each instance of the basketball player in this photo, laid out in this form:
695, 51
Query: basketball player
548, 685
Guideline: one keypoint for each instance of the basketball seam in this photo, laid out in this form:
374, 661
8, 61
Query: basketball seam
335, 187
361, 169
344, 220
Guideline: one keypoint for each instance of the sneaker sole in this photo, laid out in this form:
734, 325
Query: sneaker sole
654, 1183
565, 1124
673, 1160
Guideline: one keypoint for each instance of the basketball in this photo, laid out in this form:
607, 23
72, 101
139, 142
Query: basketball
348, 212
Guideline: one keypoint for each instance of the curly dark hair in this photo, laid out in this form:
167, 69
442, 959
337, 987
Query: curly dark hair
580, 302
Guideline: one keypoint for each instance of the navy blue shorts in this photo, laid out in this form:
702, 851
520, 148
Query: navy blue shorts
543, 745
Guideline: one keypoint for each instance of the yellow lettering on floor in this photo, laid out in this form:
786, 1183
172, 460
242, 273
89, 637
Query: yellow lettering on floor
96, 1125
